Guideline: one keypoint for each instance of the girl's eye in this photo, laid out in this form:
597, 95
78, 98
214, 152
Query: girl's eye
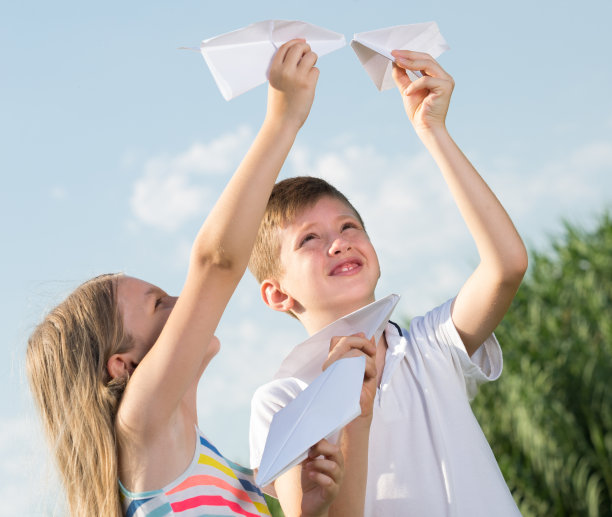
158, 302
345, 226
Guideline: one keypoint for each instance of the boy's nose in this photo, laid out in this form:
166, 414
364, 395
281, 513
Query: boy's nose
339, 245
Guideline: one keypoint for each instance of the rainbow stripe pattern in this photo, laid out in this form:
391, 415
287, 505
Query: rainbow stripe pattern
212, 486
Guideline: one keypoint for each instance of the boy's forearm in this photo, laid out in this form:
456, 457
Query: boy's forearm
486, 296
354, 443
494, 233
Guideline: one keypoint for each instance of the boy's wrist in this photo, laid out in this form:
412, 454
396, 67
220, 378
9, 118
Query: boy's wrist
322, 514
361, 423
432, 133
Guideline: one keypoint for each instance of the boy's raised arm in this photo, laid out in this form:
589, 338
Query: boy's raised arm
486, 295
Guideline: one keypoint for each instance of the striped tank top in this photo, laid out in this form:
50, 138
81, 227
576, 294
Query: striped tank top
211, 486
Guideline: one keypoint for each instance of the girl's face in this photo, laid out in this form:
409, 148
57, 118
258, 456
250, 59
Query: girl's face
145, 309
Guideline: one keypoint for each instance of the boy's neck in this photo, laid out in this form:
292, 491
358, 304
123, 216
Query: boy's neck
315, 321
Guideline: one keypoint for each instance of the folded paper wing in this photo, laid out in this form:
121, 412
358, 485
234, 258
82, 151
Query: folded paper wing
323, 408
239, 60
374, 48
306, 359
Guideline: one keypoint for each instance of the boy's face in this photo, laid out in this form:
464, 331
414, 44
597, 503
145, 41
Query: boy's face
329, 266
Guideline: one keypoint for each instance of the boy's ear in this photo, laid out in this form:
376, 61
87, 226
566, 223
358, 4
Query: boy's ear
274, 297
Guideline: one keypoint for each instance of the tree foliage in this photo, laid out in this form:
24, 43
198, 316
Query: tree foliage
549, 417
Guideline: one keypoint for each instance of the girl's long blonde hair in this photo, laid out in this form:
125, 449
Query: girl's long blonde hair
66, 364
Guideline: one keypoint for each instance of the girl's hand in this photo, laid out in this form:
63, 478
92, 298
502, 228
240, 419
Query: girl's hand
426, 100
293, 78
322, 474
355, 346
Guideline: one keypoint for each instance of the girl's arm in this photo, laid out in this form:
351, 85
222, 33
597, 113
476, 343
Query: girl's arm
222, 248
486, 296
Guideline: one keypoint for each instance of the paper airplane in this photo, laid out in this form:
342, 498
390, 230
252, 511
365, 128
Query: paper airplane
239, 60
374, 48
323, 408
306, 359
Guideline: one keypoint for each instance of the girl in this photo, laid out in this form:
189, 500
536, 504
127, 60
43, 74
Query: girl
114, 369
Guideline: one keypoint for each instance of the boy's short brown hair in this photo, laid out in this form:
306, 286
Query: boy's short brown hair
288, 199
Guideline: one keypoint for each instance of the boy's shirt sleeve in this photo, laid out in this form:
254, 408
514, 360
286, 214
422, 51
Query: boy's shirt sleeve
437, 327
266, 401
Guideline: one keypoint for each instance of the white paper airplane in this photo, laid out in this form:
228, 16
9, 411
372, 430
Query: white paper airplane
323, 408
239, 60
306, 359
331, 399
374, 48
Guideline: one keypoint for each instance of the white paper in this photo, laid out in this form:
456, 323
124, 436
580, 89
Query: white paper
239, 60
374, 48
306, 359
322, 409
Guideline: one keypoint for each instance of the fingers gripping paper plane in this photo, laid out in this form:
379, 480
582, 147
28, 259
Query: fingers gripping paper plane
305, 360
331, 399
239, 60
374, 49
322, 409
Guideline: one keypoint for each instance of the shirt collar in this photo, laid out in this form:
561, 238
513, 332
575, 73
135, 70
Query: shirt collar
396, 351
305, 360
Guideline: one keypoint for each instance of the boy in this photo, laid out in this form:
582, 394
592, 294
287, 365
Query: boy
427, 454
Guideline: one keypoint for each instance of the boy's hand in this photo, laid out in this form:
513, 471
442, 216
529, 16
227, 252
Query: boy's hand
355, 346
293, 78
426, 100
322, 474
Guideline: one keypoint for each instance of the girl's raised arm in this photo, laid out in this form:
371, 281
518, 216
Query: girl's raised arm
221, 249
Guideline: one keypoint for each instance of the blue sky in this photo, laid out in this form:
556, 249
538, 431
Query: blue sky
115, 144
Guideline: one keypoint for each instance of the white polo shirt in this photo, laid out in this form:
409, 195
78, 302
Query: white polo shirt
427, 453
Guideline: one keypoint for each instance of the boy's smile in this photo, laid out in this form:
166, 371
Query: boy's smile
346, 267
329, 266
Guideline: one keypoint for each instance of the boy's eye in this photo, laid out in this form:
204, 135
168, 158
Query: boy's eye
157, 302
346, 226
307, 238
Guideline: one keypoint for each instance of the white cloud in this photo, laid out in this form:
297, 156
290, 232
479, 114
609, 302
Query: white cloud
425, 251
575, 185
167, 202
171, 190
58, 193
595, 155
180, 253
29, 484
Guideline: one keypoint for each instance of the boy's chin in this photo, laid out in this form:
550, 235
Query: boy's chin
349, 302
